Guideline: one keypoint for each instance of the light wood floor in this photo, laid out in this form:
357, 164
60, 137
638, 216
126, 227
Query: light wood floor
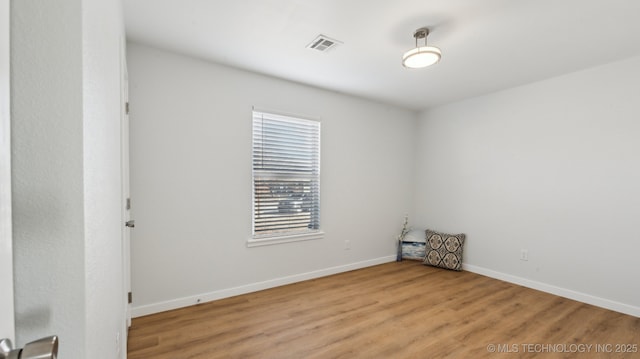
394, 310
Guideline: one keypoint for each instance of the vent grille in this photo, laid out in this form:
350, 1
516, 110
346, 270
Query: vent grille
323, 43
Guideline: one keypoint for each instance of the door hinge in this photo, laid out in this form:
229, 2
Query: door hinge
128, 204
126, 107
130, 298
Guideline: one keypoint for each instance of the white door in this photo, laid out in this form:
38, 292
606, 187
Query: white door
7, 329
126, 196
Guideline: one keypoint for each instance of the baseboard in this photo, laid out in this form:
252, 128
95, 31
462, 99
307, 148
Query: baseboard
253, 287
563, 292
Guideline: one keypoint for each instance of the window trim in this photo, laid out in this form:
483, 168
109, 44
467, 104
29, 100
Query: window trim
257, 240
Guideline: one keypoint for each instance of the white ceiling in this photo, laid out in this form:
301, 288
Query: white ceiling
487, 45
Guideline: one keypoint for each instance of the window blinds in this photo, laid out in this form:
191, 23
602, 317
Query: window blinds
286, 175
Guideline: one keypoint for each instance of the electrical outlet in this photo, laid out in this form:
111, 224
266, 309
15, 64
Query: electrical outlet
524, 255
347, 244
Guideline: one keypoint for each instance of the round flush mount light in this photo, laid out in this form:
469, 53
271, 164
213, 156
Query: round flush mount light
421, 56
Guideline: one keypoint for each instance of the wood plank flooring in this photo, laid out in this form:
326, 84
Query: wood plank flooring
394, 310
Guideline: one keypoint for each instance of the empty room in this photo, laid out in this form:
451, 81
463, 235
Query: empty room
320, 179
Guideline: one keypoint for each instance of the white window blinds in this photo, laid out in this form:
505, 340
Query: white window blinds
286, 175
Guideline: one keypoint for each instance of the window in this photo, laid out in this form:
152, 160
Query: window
286, 179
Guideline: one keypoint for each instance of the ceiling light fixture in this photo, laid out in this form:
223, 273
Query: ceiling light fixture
422, 56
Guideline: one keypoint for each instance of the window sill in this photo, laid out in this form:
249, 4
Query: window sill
267, 241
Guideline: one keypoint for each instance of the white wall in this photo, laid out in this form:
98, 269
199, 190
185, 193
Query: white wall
191, 180
102, 43
552, 167
66, 174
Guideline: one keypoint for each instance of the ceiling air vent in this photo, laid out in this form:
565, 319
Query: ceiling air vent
323, 43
